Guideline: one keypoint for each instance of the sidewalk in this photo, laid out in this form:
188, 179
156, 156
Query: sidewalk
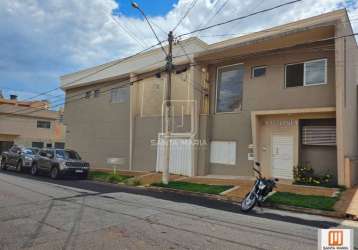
347, 204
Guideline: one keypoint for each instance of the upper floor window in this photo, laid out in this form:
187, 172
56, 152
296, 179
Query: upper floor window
258, 71
96, 93
229, 88
43, 124
88, 94
306, 73
119, 95
37, 144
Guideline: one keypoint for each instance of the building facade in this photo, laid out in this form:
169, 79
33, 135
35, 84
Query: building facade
30, 124
286, 97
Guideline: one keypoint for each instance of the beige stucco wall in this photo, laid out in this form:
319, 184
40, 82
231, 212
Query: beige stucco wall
97, 128
346, 102
22, 129
265, 93
147, 115
288, 125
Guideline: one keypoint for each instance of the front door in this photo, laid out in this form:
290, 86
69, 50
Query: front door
282, 156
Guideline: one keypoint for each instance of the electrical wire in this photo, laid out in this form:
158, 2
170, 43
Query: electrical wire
217, 12
129, 33
239, 18
185, 15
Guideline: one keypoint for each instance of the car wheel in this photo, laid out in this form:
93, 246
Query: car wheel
19, 166
3, 164
34, 169
54, 174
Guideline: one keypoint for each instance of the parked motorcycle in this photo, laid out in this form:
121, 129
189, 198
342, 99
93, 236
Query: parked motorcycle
259, 191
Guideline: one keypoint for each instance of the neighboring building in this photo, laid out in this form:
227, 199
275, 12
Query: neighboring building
29, 123
285, 96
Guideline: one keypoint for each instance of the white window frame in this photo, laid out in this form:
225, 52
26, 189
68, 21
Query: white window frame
217, 85
257, 67
304, 73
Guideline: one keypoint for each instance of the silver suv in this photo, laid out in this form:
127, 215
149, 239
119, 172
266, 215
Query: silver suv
18, 157
60, 162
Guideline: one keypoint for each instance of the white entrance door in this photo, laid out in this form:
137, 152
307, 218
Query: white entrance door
180, 157
282, 156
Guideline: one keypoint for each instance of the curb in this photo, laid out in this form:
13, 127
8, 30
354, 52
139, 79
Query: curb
312, 211
332, 214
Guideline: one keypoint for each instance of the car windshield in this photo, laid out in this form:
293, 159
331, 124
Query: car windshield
34, 150
28, 151
67, 155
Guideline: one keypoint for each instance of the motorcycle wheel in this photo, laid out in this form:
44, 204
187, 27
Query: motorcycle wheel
248, 202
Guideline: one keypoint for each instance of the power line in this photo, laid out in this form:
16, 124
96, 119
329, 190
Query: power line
136, 6
239, 18
114, 63
71, 99
29, 92
128, 32
266, 30
217, 12
75, 95
186, 14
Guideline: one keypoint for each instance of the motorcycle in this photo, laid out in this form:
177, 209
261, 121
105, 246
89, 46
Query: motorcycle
259, 191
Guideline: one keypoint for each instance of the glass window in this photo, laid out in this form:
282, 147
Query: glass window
28, 151
229, 88
88, 94
37, 144
43, 124
34, 150
50, 153
67, 155
315, 72
96, 93
60, 145
307, 73
294, 75
42, 153
258, 71
119, 95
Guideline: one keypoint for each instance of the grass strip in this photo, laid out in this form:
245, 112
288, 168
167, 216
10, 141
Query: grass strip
107, 177
306, 201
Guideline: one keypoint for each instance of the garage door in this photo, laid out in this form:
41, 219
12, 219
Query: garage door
5, 145
180, 157
282, 156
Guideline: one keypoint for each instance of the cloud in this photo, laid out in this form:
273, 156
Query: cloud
41, 40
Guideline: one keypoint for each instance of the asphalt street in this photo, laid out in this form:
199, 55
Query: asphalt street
38, 213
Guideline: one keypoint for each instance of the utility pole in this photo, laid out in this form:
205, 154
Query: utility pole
169, 68
167, 134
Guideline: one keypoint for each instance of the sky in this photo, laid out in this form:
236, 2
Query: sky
44, 39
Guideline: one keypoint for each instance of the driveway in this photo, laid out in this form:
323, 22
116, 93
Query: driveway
37, 213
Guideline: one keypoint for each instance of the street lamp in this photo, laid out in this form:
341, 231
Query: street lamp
169, 69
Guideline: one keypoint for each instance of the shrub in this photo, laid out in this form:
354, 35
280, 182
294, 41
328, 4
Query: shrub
304, 174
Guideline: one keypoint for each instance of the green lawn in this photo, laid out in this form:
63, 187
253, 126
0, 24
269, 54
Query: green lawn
107, 177
306, 201
194, 187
